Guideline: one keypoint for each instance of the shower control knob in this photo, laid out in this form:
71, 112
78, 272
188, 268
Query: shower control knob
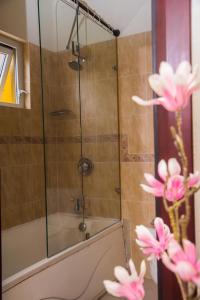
82, 227
85, 166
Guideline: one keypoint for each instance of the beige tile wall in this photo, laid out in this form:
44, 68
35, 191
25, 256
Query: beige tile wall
62, 133
137, 143
21, 155
99, 130
100, 122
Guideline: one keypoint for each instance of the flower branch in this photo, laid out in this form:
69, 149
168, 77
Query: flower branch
175, 186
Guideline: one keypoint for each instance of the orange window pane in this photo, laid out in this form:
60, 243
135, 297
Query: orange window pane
8, 91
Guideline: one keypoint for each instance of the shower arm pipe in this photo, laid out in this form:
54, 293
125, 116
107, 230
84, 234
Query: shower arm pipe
72, 30
95, 16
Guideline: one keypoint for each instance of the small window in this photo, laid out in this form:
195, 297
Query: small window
11, 72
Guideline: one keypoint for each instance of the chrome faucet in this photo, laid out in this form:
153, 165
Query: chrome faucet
78, 205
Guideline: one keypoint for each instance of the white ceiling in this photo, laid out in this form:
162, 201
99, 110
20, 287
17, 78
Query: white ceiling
121, 13
129, 16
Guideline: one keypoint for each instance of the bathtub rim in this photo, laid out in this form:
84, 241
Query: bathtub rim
45, 263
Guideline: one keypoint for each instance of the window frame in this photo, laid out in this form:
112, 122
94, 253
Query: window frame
17, 47
9, 52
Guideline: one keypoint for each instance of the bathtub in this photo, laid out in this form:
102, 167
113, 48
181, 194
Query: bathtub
72, 274
63, 230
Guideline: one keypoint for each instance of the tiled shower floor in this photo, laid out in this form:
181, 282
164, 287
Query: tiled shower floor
150, 288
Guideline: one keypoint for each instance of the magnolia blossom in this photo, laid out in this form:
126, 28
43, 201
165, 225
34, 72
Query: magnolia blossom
149, 244
194, 179
174, 89
129, 286
183, 261
170, 175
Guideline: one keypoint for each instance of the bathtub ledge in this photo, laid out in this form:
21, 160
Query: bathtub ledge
48, 262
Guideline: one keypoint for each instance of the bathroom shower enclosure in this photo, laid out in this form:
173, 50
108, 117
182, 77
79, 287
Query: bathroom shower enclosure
80, 110
60, 174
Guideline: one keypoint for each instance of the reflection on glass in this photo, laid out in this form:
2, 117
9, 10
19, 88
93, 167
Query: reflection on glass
81, 125
62, 125
21, 159
99, 118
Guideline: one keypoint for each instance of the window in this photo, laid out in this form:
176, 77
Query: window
11, 72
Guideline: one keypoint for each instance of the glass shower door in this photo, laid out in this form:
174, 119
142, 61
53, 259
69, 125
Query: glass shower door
99, 119
62, 124
79, 77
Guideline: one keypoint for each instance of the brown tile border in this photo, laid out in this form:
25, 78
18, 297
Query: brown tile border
133, 157
20, 140
107, 138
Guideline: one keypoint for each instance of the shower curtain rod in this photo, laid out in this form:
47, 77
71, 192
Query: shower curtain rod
93, 14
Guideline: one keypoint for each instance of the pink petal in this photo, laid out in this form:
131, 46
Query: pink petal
145, 102
121, 274
155, 192
144, 237
141, 243
184, 68
194, 179
166, 70
156, 84
167, 262
162, 169
142, 269
175, 182
174, 167
190, 251
193, 79
170, 102
159, 226
175, 251
175, 188
147, 188
170, 196
194, 83
143, 232
132, 291
112, 287
185, 270
134, 274
182, 96
153, 181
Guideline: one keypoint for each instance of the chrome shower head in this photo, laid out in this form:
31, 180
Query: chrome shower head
75, 65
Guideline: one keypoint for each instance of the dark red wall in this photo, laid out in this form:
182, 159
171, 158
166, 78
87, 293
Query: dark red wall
171, 42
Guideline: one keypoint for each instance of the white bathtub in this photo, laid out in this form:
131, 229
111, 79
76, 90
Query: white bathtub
75, 273
63, 230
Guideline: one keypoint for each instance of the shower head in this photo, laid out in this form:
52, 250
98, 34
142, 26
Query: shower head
75, 65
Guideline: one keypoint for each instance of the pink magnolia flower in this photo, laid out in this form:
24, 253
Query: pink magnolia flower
149, 244
174, 89
129, 286
183, 261
175, 182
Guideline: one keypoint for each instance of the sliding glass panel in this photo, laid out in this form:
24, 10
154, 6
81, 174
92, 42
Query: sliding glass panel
99, 118
22, 186
60, 76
